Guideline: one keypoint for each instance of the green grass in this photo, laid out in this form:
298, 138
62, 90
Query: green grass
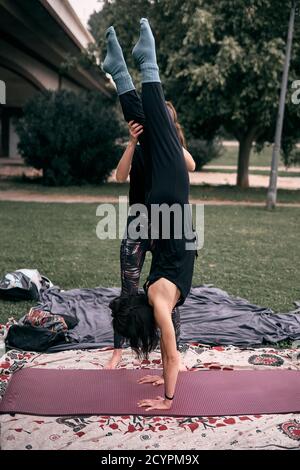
233, 193
230, 157
107, 189
205, 192
248, 251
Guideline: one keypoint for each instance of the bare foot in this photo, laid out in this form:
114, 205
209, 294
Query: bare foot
114, 360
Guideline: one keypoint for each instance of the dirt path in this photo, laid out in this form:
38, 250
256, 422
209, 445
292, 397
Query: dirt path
25, 196
198, 177
232, 168
255, 181
217, 179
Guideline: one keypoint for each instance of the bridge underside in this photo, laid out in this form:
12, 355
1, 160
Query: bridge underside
34, 42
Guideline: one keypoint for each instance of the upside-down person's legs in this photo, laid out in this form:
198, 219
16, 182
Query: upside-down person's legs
168, 164
170, 180
114, 64
167, 160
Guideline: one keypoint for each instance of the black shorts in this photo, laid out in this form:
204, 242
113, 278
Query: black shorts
171, 260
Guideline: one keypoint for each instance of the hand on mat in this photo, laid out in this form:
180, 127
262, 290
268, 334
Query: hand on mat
159, 403
135, 129
152, 379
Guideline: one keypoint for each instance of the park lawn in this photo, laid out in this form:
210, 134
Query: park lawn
205, 192
230, 157
208, 192
247, 251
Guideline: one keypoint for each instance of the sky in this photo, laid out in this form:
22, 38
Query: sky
84, 8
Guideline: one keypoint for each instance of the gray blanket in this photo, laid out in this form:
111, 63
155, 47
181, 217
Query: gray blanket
209, 315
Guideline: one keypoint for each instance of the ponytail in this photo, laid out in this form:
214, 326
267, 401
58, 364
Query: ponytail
177, 125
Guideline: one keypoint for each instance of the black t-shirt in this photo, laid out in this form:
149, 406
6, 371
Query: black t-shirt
137, 178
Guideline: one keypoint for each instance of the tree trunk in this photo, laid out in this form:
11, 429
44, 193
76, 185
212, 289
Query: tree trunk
243, 160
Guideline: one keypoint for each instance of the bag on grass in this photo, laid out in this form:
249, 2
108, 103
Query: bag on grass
29, 338
38, 330
23, 284
37, 317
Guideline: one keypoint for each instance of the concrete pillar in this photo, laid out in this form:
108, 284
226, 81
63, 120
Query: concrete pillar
13, 141
4, 142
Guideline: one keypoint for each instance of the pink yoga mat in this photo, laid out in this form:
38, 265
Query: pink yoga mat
50, 392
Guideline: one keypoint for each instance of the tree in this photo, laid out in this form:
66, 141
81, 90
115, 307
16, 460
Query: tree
221, 63
71, 137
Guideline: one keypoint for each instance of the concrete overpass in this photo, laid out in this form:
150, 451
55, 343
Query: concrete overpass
35, 39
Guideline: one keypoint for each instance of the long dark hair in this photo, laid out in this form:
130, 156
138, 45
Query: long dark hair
133, 319
177, 125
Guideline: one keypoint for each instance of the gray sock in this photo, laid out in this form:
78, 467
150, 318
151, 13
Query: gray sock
114, 63
145, 55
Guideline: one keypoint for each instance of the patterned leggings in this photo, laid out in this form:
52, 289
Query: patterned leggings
132, 257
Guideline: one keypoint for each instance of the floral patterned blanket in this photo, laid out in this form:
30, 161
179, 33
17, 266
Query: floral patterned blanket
151, 433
